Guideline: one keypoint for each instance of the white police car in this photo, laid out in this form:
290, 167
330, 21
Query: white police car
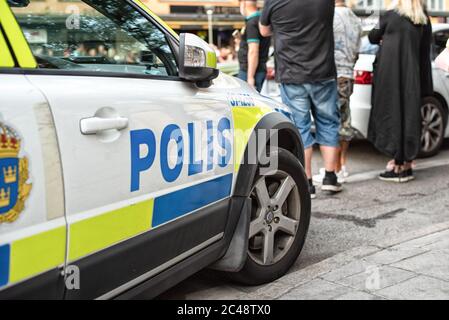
121, 158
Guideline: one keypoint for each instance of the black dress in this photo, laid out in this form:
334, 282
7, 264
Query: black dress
402, 76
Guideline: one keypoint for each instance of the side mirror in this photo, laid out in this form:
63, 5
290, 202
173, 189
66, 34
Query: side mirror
198, 61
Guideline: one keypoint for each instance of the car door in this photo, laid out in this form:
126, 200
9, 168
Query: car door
32, 223
145, 155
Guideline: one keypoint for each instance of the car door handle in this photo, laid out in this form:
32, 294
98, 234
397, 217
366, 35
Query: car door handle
95, 125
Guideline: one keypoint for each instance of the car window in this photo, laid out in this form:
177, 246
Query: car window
439, 41
94, 35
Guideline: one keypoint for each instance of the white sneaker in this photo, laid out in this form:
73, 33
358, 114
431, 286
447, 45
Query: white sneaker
318, 178
344, 171
341, 177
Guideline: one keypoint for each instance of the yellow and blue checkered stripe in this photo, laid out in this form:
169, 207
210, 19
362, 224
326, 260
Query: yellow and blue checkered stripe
95, 234
4, 264
31, 256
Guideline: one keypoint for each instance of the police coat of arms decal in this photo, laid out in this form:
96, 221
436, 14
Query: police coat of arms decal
14, 175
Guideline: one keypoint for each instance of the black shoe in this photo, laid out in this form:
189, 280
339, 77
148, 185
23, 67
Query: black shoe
330, 183
392, 176
409, 174
312, 191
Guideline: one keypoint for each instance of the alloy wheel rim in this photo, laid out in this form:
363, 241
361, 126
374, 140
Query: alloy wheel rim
432, 127
275, 217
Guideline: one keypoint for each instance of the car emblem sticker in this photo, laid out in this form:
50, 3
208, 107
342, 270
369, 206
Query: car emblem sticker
14, 189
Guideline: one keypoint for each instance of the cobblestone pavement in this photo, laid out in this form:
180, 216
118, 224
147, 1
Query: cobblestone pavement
359, 243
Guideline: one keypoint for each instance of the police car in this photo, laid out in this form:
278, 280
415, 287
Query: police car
128, 162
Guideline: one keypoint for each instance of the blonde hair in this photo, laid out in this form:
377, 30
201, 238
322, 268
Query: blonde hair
412, 9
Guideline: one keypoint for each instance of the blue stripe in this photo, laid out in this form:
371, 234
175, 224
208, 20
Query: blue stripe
173, 205
4, 264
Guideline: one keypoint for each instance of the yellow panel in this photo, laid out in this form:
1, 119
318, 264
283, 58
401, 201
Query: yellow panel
16, 38
6, 59
245, 120
211, 60
155, 17
97, 233
37, 254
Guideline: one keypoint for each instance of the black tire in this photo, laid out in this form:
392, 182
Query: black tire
254, 273
431, 146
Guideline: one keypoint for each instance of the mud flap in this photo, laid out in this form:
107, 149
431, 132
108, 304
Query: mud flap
235, 257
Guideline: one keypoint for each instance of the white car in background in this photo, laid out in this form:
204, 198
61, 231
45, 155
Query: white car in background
434, 109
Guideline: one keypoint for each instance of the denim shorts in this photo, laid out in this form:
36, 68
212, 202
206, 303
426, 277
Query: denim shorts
319, 99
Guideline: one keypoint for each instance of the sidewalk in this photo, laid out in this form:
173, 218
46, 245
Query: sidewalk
414, 266
401, 269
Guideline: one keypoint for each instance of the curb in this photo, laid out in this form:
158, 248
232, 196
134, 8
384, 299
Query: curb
297, 278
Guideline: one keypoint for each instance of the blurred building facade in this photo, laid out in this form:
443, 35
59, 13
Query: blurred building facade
432, 5
192, 15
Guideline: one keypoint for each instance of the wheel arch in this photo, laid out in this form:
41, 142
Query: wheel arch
234, 257
288, 137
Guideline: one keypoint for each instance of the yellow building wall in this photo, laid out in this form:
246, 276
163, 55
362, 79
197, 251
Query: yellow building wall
162, 7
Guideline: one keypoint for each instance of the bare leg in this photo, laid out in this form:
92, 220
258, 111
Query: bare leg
308, 158
343, 153
338, 162
390, 165
330, 157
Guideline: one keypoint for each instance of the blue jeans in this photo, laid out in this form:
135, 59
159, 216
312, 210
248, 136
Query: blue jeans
259, 77
319, 99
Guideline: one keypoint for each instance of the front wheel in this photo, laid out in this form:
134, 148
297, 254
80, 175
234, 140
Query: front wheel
280, 217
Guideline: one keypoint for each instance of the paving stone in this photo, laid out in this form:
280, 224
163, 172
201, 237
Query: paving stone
358, 295
376, 279
434, 263
302, 276
394, 254
416, 234
442, 244
317, 289
418, 288
352, 268
271, 291
425, 241
218, 293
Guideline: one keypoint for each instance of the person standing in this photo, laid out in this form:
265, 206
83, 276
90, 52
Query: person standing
347, 36
253, 52
305, 67
403, 75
